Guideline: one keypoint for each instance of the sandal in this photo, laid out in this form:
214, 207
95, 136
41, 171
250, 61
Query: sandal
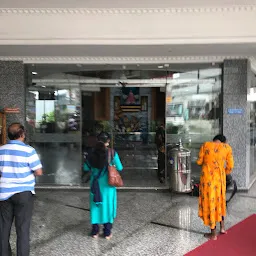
108, 237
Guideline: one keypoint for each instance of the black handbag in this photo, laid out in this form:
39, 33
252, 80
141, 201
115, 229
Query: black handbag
229, 183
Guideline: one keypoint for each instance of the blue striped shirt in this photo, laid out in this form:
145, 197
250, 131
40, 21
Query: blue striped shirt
18, 162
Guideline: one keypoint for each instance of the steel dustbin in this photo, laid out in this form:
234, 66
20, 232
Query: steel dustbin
179, 167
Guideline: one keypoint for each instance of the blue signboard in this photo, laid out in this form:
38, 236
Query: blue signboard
235, 111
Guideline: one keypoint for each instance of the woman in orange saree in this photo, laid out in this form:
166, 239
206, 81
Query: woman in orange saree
216, 160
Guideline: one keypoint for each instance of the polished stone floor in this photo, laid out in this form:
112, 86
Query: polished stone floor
148, 223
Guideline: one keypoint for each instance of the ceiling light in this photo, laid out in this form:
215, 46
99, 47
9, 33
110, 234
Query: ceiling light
176, 75
166, 65
43, 86
34, 73
160, 66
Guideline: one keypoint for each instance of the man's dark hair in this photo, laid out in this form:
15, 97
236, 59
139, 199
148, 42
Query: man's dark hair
15, 131
221, 138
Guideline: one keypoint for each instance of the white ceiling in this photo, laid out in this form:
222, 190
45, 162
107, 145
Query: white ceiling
129, 50
118, 3
106, 35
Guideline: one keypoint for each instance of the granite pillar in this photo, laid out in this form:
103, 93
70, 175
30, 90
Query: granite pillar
236, 116
12, 89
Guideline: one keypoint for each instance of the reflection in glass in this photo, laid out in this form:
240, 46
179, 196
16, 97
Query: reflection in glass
53, 110
61, 162
67, 107
251, 101
53, 124
192, 109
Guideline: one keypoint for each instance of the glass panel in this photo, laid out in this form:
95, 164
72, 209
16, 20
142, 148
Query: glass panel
53, 123
129, 102
251, 98
192, 109
132, 134
131, 128
61, 162
53, 110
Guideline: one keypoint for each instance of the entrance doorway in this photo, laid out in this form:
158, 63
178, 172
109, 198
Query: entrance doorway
130, 114
68, 105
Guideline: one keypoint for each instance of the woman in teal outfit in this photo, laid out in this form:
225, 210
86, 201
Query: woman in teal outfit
103, 211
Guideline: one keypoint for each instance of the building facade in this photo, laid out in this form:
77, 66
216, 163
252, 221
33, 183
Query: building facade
58, 60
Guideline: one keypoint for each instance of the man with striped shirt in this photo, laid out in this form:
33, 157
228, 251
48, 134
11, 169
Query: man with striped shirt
19, 164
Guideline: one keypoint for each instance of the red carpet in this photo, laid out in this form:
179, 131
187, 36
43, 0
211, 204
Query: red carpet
239, 241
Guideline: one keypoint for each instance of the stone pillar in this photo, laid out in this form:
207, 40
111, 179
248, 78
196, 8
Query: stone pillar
236, 116
12, 89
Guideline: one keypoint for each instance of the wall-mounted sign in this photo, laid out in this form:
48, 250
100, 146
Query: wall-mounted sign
12, 110
235, 111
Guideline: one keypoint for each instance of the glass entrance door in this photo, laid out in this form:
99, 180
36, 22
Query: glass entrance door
54, 130
67, 106
193, 109
133, 134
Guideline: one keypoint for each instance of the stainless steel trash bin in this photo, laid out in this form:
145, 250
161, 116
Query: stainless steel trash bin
179, 165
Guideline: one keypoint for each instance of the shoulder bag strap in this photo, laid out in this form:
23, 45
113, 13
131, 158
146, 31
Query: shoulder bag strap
109, 156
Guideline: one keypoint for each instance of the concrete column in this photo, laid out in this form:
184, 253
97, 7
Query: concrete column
12, 89
236, 115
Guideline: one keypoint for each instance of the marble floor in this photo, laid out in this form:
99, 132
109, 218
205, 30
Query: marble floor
148, 223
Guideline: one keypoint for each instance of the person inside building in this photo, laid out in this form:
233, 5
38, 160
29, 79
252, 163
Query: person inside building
103, 197
217, 161
160, 143
19, 164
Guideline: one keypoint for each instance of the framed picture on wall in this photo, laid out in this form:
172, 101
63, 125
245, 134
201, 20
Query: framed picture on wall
130, 96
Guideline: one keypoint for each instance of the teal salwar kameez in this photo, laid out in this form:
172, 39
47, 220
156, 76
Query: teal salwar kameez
106, 211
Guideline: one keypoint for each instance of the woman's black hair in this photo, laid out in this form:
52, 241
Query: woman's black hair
98, 158
104, 137
221, 138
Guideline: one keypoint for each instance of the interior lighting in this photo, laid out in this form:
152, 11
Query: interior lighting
176, 75
34, 73
160, 66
